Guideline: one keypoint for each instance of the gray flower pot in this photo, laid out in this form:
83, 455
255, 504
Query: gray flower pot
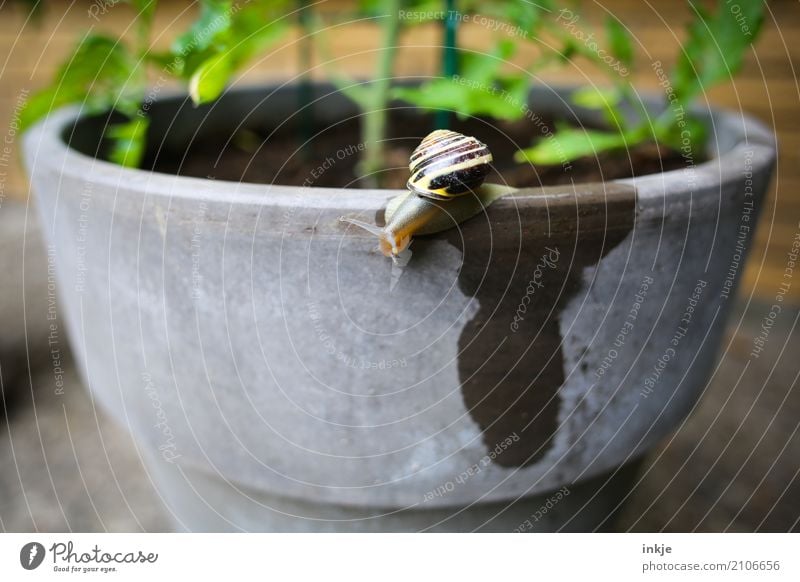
251, 343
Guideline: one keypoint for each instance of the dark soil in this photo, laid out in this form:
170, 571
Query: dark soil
330, 157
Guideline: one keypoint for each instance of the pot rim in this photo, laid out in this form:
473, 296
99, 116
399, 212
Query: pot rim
44, 141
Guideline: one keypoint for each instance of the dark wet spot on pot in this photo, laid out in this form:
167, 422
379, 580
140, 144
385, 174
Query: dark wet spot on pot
511, 364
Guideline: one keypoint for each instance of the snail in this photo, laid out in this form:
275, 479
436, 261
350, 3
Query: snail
445, 188
447, 164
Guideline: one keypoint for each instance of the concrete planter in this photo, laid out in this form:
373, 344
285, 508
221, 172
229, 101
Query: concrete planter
251, 342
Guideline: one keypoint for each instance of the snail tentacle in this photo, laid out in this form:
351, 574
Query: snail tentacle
390, 242
371, 228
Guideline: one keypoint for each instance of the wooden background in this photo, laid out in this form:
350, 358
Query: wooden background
767, 88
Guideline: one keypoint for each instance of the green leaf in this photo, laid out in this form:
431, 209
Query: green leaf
213, 24
209, 80
40, 104
480, 90
465, 100
619, 40
483, 68
128, 142
605, 100
100, 74
595, 97
224, 39
252, 36
254, 28
716, 44
713, 52
569, 144
210, 30
100, 66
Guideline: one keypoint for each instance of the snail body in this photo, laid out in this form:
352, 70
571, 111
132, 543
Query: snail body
447, 173
408, 219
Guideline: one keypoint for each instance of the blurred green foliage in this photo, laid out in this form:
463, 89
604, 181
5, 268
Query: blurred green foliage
106, 73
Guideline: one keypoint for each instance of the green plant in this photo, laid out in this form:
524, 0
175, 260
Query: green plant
372, 96
482, 86
713, 53
107, 73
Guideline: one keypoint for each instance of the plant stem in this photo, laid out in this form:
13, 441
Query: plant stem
304, 92
449, 56
373, 128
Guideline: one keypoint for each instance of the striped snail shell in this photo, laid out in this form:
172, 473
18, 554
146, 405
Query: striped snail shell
447, 164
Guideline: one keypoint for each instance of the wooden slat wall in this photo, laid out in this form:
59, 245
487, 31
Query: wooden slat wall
767, 88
